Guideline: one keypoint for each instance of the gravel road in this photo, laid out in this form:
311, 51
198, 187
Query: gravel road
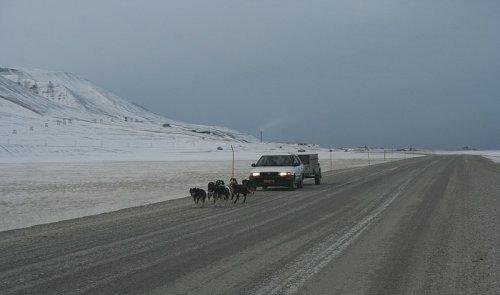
425, 225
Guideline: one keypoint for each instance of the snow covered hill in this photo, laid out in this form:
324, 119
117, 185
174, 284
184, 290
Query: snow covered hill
47, 114
65, 95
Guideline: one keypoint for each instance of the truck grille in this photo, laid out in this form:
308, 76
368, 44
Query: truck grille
269, 174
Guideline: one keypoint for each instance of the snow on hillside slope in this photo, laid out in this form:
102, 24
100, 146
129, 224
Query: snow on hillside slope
77, 96
52, 115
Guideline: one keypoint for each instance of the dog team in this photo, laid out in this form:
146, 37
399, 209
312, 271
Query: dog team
217, 191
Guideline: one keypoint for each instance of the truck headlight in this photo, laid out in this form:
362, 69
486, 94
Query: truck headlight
285, 173
254, 174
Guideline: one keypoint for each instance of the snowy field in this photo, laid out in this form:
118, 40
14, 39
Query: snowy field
43, 192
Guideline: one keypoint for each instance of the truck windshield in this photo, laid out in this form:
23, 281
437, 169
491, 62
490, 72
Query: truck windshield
275, 161
304, 159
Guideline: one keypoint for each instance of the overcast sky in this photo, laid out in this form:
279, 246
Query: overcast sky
341, 73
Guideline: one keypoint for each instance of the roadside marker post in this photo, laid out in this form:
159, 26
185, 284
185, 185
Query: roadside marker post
232, 168
331, 160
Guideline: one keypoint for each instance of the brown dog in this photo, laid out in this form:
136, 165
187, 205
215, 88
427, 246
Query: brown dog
237, 189
250, 185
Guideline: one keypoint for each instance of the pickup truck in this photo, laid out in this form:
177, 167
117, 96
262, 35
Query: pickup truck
278, 170
312, 168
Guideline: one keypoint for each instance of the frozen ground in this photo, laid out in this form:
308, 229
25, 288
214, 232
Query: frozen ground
42, 192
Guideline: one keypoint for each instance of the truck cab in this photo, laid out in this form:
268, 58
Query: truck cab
278, 170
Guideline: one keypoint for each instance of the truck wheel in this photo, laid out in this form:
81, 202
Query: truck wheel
300, 184
317, 179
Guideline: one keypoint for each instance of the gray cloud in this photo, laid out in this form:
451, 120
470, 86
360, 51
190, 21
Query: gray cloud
387, 73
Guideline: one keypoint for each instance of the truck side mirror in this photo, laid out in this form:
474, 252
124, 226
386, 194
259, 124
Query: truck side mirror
253, 164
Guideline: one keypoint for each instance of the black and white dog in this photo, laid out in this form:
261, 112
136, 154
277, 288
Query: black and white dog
211, 190
198, 194
218, 191
221, 191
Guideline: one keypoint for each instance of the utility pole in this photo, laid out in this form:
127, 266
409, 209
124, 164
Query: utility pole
384, 154
232, 169
260, 136
368, 152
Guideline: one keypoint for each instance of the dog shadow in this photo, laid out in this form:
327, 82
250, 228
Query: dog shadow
219, 206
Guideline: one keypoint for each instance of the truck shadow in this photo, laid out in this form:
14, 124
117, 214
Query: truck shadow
275, 189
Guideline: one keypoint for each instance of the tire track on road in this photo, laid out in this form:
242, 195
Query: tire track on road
292, 276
